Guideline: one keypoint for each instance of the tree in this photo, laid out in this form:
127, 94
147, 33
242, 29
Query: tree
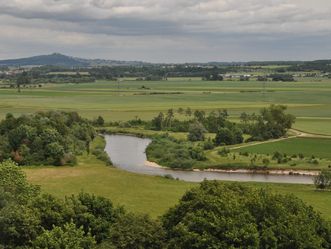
199, 115
51, 211
19, 225
272, 122
100, 121
15, 184
44, 138
323, 180
218, 215
188, 112
196, 132
54, 153
136, 232
158, 122
169, 118
66, 237
180, 110
94, 214
228, 136
22, 79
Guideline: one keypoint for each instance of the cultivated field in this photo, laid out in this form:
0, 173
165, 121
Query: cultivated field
309, 100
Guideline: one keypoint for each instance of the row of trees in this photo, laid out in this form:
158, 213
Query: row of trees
271, 122
211, 121
44, 138
212, 215
35, 77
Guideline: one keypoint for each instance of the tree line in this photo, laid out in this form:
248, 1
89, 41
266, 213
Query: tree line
270, 123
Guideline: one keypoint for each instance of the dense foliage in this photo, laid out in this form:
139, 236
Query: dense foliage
196, 132
271, 122
211, 121
168, 151
232, 216
323, 180
44, 138
214, 215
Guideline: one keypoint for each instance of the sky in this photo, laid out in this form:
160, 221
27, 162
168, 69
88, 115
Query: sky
167, 30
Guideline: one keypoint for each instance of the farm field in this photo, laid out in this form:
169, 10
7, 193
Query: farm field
140, 193
309, 100
314, 125
317, 147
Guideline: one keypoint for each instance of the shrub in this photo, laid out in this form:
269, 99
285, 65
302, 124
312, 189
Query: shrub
208, 145
196, 132
224, 152
323, 180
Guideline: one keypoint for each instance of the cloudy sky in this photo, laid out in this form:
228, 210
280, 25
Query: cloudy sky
167, 30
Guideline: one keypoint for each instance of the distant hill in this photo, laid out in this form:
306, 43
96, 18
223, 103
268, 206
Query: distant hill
57, 59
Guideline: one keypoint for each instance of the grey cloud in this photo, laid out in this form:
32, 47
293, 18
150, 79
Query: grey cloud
160, 30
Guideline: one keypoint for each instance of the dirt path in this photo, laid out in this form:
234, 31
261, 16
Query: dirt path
296, 133
299, 133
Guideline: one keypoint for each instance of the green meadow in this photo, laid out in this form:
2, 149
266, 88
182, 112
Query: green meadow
141, 193
309, 100
316, 147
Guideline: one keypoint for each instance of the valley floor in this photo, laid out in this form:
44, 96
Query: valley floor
140, 193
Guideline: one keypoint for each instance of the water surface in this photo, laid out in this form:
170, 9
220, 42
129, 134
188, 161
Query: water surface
128, 153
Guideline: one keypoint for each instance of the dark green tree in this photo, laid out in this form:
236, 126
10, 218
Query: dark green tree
22, 79
217, 215
66, 237
136, 232
196, 132
323, 180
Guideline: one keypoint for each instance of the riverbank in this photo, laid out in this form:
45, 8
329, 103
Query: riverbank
234, 161
141, 193
244, 171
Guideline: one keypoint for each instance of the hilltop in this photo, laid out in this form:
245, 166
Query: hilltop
57, 59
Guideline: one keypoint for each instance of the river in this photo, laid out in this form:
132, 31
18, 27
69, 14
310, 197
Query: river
128, 153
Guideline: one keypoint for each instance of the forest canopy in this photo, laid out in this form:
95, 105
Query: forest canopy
51, 138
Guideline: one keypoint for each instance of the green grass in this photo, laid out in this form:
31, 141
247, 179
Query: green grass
140, 193
308, 99
318, 147
314, 125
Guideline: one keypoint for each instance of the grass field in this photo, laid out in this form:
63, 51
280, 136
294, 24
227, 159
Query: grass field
140, 193
318, 147
314, 125
309, 100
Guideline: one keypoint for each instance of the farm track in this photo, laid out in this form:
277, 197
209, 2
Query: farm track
297, 134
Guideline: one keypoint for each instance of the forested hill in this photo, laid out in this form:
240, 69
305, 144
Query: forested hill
52, 59
57, 59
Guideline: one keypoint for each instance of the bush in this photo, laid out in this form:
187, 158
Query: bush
323, 180
173, 153
223, 152
196, 132
266, 161
229, 136
208, 145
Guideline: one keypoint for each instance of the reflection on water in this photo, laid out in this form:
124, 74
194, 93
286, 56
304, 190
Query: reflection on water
128, 153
